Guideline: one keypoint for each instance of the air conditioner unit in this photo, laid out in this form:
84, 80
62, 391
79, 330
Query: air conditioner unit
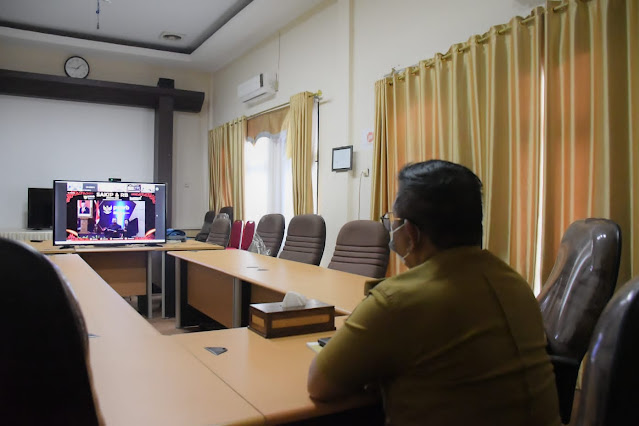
260, 85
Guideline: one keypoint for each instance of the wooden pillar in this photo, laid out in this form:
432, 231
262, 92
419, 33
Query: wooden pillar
163, 151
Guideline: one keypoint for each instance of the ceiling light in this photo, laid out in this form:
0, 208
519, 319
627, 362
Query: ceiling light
171, 36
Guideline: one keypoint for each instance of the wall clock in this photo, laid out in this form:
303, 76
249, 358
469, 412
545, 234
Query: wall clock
76, 67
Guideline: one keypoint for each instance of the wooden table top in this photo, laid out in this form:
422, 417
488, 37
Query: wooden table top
140, 376
269, 373
341, 289
47, 247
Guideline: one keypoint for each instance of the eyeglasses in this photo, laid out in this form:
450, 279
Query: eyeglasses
390, 221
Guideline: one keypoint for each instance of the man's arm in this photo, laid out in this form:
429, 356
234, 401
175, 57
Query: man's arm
320, 387
354, 356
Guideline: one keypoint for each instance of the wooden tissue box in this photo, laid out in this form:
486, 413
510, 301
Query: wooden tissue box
271, 320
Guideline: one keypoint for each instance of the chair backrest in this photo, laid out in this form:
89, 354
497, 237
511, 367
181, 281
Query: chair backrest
247, 234
577, 290
220, 230
229, 211
609, 391
305, 239
44, 372
271, 230
362, 248
236, 234
206, 227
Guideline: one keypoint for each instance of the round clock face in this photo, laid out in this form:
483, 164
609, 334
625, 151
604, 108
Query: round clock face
76, 67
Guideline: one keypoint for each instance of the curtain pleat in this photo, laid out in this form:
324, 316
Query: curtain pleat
299, 147
477, 105
226, 171
591, 121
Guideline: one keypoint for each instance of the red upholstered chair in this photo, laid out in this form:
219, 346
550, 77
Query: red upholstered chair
236, 235
247, 235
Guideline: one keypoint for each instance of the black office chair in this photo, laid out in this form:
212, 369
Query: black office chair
609, 391
206, 226
44, 367
229, 211
577, 290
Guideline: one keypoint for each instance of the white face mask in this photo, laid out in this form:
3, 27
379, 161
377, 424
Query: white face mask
391, 243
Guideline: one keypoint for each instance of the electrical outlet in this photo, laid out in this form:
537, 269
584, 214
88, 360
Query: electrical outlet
365, 172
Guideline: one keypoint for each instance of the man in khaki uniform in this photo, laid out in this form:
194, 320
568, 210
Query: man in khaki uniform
457, 339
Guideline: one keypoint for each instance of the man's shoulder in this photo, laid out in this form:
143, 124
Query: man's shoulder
416, 284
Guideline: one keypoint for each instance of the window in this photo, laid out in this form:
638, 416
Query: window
268, 177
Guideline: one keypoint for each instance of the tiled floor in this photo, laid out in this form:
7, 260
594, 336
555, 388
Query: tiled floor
165, 326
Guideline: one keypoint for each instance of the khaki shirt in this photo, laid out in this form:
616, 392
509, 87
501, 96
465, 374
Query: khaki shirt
457, 340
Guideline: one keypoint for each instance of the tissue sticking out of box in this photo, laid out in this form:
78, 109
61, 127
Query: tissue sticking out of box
293, 299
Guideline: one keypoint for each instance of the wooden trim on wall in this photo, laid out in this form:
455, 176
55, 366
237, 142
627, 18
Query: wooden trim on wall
104, 92
163, 100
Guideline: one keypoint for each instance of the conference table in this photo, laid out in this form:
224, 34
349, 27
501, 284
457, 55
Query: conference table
128, 268
142, 377
212, 283
138, 375
270, 374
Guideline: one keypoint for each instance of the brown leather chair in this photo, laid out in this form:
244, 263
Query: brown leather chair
271, 231
577, 290
362, 248
44, 367
220, 230
229, 211
206, 227
305, 239
609, 391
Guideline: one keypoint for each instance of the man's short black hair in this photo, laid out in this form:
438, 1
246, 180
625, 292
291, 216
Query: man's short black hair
444, 200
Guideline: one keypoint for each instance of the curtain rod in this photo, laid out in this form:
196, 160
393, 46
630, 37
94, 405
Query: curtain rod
317, 94
480, 39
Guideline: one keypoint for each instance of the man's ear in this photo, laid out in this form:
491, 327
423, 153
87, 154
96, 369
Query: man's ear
414, 233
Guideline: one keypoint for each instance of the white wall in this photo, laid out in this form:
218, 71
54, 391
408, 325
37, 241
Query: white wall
190, 164
312, 57
342, 48
66, 140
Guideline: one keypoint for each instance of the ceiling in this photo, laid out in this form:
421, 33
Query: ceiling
213, 32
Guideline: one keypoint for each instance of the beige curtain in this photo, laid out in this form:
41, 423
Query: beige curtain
299, 147
226, 172
266, 124
592, 122
478, 105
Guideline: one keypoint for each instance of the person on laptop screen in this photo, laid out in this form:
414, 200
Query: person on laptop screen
458, 338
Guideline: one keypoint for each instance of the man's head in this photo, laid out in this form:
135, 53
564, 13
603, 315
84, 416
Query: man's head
442, 203
113, 220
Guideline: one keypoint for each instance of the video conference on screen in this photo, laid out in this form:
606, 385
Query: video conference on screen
112, 212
